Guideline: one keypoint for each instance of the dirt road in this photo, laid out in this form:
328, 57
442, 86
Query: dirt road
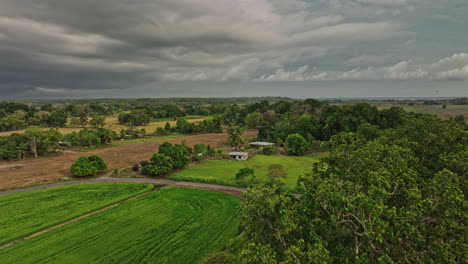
16, 174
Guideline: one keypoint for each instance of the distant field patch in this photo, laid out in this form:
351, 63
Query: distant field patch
173, 225
28, 212
113, 123
223, 171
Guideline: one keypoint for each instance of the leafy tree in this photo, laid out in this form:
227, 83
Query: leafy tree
253, 120
47, 107
177, 153
134, 118
235, 136
370, 132
243, 174
272, 230
42, 142
296, 144
57, 119
158, 165
307, 127
14, 146
167, 127
363, 203
88, 166
75, 121
269, 150
12, 122
199, 148
83, 119
97, 121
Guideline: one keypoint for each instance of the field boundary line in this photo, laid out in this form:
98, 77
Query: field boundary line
136, 180
9, 244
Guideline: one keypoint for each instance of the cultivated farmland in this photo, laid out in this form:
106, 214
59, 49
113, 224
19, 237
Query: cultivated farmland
172, 225
28, 212
223, 171
14, 174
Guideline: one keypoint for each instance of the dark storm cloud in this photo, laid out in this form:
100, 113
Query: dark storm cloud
52, 46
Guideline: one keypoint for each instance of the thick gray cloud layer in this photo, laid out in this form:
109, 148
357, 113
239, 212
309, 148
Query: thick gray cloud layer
55, 48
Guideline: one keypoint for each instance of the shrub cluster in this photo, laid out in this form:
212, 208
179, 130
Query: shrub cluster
88, 166
168, 158
91, 137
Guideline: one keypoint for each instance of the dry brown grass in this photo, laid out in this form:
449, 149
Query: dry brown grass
15, 174
111, 123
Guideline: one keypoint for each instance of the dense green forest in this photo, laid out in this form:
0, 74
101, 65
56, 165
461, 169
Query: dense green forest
392, 190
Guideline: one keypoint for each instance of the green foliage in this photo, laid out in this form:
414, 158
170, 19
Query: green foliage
88, 166
254, 120
29, 212
210, 125
158, 165
41, 142
97, 121
91, 137
269, 150
172, 225
296, 144
368, 200
199, 148
243, 174
210, 151
167, 127
177, 153
34, 141
56, 119
235, 136
134, 118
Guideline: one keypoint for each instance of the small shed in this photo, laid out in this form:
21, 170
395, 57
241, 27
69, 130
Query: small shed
239, 155
261, 144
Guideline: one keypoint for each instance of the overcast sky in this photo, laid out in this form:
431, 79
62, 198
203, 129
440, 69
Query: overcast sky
207, 48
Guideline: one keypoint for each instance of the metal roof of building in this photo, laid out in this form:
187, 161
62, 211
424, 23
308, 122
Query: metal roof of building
238, 153
262, 143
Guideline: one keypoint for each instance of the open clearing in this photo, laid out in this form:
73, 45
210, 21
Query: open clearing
223, 171
15, 174
29, 212
172, 225
113, 123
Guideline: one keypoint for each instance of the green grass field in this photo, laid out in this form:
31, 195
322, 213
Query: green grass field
25, 213
223, 171
172, 225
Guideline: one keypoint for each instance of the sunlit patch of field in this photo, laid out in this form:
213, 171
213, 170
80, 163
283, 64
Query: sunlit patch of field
224, 171
113, 123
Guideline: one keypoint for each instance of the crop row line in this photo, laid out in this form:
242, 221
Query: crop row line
77, 219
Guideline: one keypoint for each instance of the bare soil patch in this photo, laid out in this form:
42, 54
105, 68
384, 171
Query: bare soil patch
47, 169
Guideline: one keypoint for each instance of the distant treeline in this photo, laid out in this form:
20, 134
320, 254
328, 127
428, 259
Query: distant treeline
162, 101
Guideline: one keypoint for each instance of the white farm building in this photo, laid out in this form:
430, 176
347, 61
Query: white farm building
239, 155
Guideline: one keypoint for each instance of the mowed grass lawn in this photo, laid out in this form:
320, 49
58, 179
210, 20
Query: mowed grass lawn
224, 171
22, 214
173, 225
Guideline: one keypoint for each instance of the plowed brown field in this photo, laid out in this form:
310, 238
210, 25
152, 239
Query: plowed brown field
15, 174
